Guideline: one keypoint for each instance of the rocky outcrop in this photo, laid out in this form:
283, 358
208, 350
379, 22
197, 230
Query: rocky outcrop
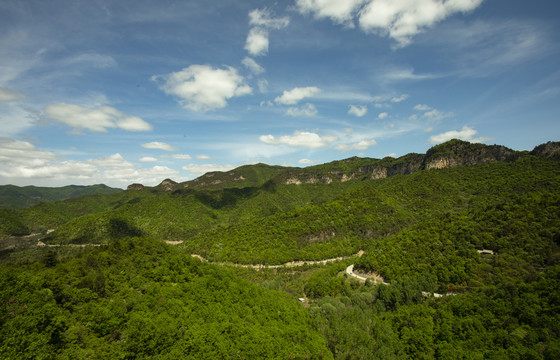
379, 173
447, 155
441, 163
135, 187
167, 185
550, 150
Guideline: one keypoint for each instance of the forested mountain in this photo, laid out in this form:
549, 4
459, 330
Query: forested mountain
476, 225
16, 197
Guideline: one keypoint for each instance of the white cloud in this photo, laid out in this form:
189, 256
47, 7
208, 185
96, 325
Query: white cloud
176, 156
10, 95
398, 99
115, 168
431, 114
263, 85
202, 88
257, 41
435, 115
307, 161
397, 19
382, 115
293, 96
203, 157
263, 17
359, 111
422, 107
95, 119
201, 169
405, 74
253, 66
339, 11
466, 134
360, 145
308, 110
159, 145
15, 153
402, 19
22, 163
148, 159
299, 139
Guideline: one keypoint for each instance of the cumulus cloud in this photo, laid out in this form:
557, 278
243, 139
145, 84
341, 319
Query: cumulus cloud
10, 95
159, 145
257, 42
253, 66
257, 39
397, 19
293, 96
22, 162
466, 133
299, 139
360, 145
339, 11
201, 169
359, 111
402, 19
382, 115
398, 99
148, 159
97, 119
202, 88
308, 110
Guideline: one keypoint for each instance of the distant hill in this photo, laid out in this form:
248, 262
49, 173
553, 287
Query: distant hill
16, 197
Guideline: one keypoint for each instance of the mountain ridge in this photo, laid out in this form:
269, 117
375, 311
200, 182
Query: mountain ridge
452, 153
19, 197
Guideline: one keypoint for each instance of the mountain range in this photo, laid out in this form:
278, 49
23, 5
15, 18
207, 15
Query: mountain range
457, 253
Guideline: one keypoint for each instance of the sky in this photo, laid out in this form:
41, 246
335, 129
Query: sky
122, 92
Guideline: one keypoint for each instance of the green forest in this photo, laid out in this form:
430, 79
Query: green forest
468, 256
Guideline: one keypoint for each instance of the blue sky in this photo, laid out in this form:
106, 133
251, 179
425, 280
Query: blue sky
118, 92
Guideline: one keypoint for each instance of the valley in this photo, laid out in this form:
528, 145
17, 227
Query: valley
217, 266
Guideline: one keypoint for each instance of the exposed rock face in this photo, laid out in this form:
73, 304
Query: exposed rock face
447, 155
549, 150
441, 163
135, 187
167, 185
379, 173
293, 181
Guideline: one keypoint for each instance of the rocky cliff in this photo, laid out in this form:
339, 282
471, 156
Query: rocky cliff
450, 154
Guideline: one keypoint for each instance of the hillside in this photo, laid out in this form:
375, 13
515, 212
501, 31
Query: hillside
281, 201
15, 197
466, 238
